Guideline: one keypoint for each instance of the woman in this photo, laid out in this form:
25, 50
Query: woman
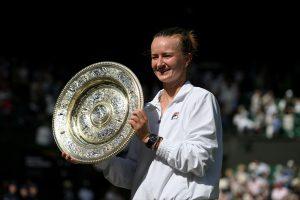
178, 151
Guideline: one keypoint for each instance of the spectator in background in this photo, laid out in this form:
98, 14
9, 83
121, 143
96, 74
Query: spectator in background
12, 192
279, 192
225, 191
85, 192
256, 102
24, 192
68, 190
242, 121
33, 191
288, 122
44, 136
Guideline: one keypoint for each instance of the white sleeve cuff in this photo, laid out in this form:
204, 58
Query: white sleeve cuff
164, 150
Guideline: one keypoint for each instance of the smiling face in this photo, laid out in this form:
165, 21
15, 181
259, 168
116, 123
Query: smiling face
167, 59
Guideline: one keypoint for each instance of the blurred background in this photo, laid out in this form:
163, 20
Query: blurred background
248, 58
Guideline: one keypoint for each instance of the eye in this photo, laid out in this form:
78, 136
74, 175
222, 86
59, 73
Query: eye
167, 55
154, 57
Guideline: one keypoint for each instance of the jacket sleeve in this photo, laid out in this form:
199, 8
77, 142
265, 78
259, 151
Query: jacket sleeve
198, 150
118, 170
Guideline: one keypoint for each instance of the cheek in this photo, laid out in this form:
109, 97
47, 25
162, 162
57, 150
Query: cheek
179, 71
179, 67
153, 64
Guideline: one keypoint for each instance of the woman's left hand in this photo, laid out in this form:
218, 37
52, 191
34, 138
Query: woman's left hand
69, 158
139, 122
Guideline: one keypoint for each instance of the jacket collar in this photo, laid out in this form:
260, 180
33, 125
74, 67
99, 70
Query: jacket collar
184, 90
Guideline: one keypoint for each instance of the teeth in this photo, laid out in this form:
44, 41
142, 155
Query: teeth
162, 70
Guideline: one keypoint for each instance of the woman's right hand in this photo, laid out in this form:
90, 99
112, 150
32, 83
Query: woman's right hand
139, 122
69, 158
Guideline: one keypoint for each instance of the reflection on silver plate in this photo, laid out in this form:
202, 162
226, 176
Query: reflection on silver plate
90, 119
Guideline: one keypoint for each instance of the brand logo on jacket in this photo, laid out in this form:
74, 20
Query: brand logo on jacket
175, 115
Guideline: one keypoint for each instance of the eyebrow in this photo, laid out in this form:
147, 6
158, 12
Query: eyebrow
164, 53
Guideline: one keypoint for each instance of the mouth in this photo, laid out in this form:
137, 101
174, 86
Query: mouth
162, 70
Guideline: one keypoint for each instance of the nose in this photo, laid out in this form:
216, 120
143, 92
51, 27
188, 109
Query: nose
160, 61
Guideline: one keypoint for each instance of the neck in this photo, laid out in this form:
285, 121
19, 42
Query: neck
171, 89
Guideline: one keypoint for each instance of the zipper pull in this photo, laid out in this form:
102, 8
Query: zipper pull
159, 120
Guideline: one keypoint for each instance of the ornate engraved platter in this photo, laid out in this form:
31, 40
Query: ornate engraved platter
90, 119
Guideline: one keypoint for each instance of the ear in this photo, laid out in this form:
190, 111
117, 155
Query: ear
189, 58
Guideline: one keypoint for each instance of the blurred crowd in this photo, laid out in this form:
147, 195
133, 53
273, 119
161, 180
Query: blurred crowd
269, 115
261, 181
13, 190
251, 105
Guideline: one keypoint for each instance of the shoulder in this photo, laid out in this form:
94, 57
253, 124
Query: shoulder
202, 99
200, 94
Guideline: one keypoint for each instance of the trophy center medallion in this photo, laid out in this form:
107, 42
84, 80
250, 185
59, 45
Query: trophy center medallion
100, 115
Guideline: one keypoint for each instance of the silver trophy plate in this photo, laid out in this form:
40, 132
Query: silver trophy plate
90, 119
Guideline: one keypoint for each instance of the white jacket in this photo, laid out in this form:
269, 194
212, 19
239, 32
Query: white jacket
187, 164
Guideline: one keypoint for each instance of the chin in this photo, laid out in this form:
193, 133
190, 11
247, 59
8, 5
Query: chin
163, 79
166, 80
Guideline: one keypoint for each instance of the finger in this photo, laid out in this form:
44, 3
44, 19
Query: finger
140, 115
138, 112
73, 160
64, 155
135, 118
136, 126
133, 124
67, 157
134, 113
